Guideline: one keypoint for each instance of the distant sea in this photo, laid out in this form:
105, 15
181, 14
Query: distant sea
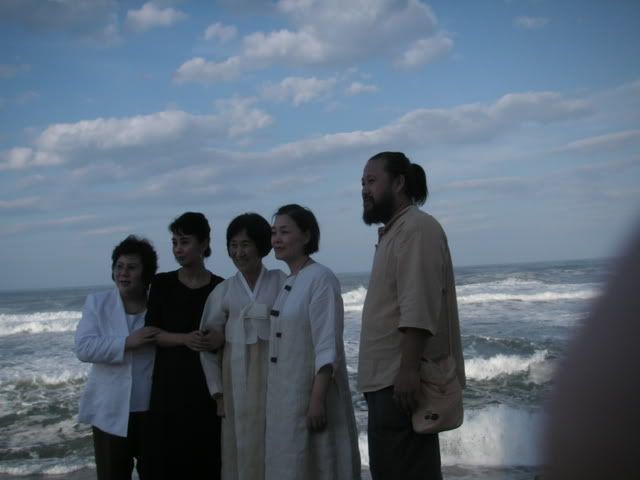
516, 321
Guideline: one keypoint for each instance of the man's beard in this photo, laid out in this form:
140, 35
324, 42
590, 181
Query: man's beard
380, 211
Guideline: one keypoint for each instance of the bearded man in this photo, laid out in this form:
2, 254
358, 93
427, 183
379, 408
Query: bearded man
410, 313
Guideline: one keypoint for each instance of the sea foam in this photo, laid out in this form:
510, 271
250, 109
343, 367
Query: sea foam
548, 296
494, 436
38, 322
537, 366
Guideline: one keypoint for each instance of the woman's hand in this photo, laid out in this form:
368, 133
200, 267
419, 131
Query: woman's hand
141, 337
316, 415
213, 338
195, 341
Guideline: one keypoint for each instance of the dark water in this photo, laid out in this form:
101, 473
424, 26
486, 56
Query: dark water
516, 320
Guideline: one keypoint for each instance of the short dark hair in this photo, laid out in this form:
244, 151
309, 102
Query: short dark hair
142, 247
257, 228
415, 179
193, 223
306, 222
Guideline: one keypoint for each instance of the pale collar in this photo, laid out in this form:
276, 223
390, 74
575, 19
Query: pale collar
252, 293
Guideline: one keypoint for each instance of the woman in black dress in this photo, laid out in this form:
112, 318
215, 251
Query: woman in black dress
184, 431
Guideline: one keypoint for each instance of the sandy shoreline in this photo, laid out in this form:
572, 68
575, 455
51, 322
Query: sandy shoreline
90, 474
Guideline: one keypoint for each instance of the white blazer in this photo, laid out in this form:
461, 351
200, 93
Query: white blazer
100, 339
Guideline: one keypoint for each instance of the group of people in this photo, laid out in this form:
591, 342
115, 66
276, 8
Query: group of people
196, 377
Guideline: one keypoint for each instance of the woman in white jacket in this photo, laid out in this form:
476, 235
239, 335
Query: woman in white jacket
111, 335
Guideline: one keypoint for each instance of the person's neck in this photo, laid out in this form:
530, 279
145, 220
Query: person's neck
400, 206
298, 264
194, 275
252, 277
134, 303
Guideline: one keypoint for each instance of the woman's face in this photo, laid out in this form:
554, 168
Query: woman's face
187, 249
244, 254
127, 273
287, 240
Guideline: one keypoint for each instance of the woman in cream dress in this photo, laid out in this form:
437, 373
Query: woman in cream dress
311, 429
237, 377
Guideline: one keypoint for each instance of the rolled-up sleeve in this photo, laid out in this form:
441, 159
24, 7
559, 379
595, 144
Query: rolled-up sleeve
326, 317
90, 345
420, 276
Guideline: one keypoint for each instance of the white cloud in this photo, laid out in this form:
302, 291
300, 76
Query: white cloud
150, 16
609, 141
221, 32
19, 203
331, 32
492, 185
169, 131
200, 70
9, 71
18, 158
426, 50
241, 117
356, 88
469, 123
299, 90
531, 23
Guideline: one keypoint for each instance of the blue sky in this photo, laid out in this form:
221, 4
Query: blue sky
115, 117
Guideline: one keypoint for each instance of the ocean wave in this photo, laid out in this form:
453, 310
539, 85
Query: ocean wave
494, 436
549, 296
354, 299
38, 322
537, 366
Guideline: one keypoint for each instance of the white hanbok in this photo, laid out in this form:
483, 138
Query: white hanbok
306, 334
240, 371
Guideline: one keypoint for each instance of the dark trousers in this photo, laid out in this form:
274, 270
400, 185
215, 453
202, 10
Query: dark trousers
115, 455
396, 452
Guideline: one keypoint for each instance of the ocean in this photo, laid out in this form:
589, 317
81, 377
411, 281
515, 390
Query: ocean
515, 319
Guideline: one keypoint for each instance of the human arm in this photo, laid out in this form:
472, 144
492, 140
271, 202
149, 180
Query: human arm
316, 413
406, 385
214, 318
420, 286
326, 321
90, 343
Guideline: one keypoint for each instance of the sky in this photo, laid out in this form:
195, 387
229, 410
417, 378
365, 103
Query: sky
118, 116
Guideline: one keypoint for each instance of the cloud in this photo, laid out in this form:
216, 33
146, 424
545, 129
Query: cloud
167, 132
241, 117
356, 88
109, 230
19, 203
220, 32
464, 124
48, 224
531, 23
425, 50
492, 185
202, 71
9, 71
609, 141
331, 32
150, 16
299, 90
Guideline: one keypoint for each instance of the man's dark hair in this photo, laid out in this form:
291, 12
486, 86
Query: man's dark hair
415, 180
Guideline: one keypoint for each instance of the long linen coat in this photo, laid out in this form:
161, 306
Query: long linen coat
306, 334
